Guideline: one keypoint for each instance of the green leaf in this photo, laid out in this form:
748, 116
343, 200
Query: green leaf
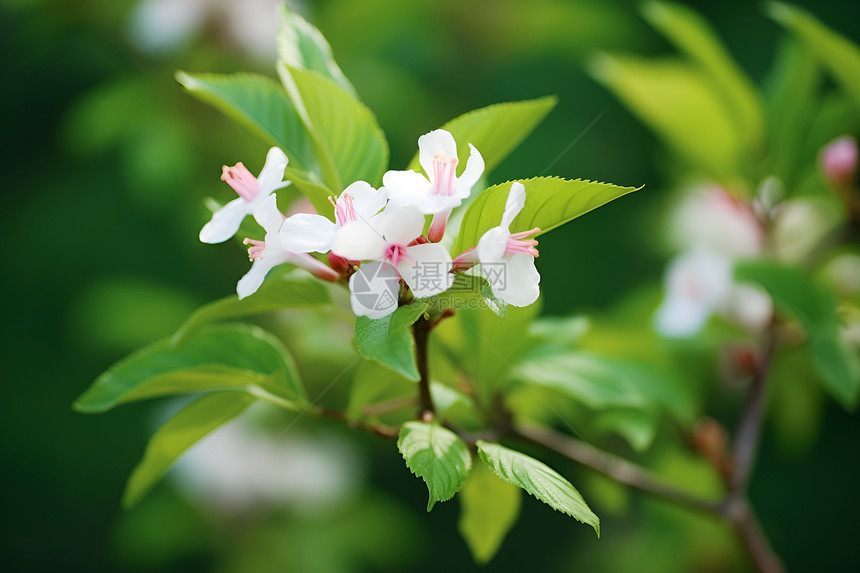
678, 101
389, 341
489, 507
301, 45
345, 134
550, 202
601, 382
294, 289
375, 383
692, 35
316, 192
259, 103
495, 130
235, 357
539, 480
436, 455
794, 291
837, 54
177, 435
638, 427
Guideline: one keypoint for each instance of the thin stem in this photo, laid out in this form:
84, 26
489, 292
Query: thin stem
421, 331
614, 467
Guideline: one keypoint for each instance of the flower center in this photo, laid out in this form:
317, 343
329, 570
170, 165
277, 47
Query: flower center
395, 253
518, 245
443, 175
240, 179
255, 251
344, 209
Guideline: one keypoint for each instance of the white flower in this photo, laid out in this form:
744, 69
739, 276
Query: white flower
269, 253
715, 220
698, 284
441, 190
507, 260
303, 232
391, 237
252, 192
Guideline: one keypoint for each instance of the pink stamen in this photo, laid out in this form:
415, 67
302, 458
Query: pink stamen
517, 245
255, 251
240, 179
443, 175
396, 253
344, 209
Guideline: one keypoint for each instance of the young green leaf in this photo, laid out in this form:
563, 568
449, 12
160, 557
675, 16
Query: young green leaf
301, 45
260, 104
693, 36
495, 130
436, 455
346, 137
489, 507
550, 202
179, 433
389, 341
539, 480
838, 54
678, 101
294, 289
235, 357
795, 292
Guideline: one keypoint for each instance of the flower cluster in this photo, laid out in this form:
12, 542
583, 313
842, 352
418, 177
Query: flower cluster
385, 225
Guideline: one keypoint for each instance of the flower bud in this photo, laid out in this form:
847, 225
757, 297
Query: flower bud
838, 162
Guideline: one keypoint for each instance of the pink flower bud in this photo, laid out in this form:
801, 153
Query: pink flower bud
838, 161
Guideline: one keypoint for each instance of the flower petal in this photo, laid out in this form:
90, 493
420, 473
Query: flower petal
252, 280
427, 273
267, 214
474, 170
225, 221
366, 200
681, 316
399, 225
373, 290
405, 187
304, 232
272, 175
437, 143
358, 240
492, 244
515, 203
515, 280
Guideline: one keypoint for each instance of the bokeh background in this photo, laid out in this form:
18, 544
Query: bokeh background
106, 166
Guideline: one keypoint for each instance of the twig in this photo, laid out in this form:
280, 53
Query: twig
421, 331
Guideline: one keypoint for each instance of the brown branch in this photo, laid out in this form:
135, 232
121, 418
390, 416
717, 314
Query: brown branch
421, 331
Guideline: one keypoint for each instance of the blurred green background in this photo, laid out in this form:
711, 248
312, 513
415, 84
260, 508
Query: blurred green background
107, 166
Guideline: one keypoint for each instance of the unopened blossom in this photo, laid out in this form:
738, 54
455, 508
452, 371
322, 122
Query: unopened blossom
507, 260
269, 252
838, 161
304, 233
441, 190
392, 236
252, 192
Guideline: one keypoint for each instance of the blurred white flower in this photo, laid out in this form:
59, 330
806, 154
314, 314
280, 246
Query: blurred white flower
161, 26
238, 468
715, 220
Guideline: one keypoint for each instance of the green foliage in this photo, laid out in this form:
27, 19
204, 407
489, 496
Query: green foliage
232, 357
539, 480
438, 456
294, 289
495, 130
259, 103
389, 341
678, 101
837, 54
550, 202
375, 383
795, 292
694, 37
489, 507
177, 435
302, 46
347, 140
